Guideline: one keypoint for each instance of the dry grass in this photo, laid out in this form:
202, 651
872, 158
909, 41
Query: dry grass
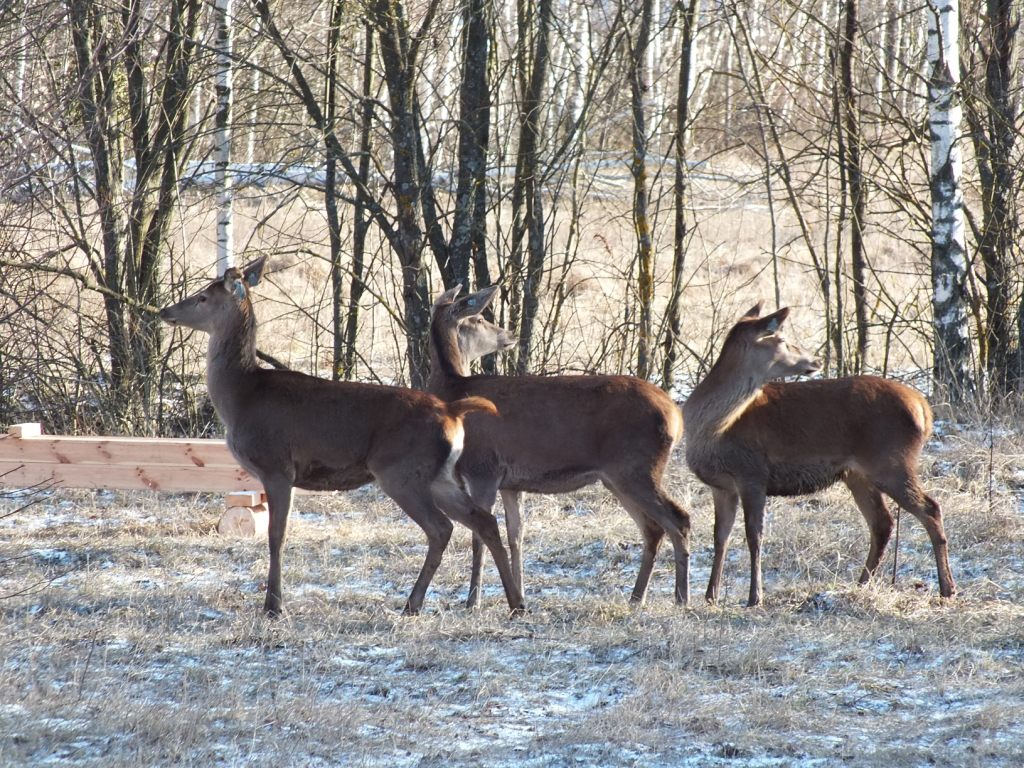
132, 637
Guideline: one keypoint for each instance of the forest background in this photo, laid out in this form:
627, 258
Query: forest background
632, 174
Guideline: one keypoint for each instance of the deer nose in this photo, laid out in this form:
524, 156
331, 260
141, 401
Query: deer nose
166, 316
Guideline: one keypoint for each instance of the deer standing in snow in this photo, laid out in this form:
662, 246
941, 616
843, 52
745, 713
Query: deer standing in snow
556, 434
748, 438
293, 430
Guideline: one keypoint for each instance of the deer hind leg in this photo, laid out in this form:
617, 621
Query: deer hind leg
486, 500
656, 515
908, 493
457, 504
872, 506
416, 502
726, 504
279, 504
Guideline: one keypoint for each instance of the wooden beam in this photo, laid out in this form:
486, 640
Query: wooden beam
62, 449
151, 477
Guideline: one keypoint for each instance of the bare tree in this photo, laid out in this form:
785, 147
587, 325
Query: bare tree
112, 46
688, 16
639, 82
991, 115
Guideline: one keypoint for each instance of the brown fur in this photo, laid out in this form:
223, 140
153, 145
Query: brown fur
293, 430
748, 439
556, 434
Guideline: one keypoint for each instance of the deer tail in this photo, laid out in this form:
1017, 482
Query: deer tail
460, 408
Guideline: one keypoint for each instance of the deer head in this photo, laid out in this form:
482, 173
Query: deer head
225, 297
477, 336
756, 346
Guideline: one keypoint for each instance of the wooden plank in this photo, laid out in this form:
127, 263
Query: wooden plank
147, 451
25, 430
140, 477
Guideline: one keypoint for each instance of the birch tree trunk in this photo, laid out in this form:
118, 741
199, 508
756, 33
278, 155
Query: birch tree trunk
952, 354
222, 138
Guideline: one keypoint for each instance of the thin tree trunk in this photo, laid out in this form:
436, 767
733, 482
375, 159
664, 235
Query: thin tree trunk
338, 361
952, 354
398, 54
527, 201
469, 225
855, 181
992, 130
689, 15
222, 138
361, 224
639, 87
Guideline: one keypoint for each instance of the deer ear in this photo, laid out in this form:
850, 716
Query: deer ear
774, 321
234, 283
254, 271
754, 311
448, 296
477, 302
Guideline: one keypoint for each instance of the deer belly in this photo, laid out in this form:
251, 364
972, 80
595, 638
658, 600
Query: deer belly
792, 479
322, 477
547, 480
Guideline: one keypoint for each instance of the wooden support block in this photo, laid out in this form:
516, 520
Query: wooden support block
246, 498
25, 430
244, 522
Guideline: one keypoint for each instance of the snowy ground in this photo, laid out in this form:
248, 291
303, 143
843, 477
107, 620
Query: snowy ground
131, 636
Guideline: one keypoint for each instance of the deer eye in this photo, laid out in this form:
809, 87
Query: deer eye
201, 298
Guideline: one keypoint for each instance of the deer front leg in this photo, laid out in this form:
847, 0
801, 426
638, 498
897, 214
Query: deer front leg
514, 528
753, 516
279, 503
726, 502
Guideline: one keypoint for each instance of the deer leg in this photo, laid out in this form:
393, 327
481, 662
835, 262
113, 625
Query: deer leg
510, 500
872, 506
475, 568
656, 515
457, 504
486, 500
753, 518
909, 494
416, 502
726, 503
653, 534
279, 503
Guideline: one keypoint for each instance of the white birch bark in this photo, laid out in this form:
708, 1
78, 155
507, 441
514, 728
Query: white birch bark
949, 252
222, 138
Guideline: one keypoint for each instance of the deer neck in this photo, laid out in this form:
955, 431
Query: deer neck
447, 369
230, 361
719, 401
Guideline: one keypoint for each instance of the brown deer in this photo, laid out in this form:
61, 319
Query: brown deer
293, 430
748, 439
557, 434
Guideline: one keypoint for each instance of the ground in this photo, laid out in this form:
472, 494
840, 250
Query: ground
132, 636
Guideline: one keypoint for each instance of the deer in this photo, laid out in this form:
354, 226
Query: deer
748, 438
292, 430
557, 434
